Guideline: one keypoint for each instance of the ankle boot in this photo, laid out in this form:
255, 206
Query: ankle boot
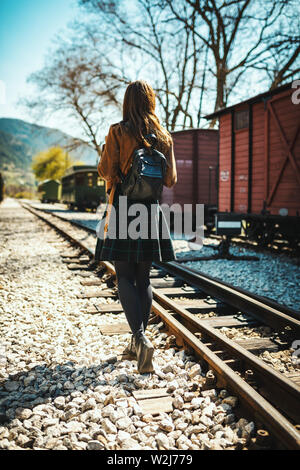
144, 351
130, 349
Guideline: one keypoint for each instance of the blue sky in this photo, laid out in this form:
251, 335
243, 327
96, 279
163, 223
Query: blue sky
27, 28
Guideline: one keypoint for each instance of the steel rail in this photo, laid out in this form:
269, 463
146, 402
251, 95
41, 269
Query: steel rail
269, 312
184, 271
261, 408
285, 392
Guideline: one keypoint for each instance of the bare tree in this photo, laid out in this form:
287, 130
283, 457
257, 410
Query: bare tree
73, 81
168, 53
282, 59
185, 48
239, 35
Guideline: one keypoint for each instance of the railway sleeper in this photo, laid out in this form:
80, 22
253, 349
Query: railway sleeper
260, 382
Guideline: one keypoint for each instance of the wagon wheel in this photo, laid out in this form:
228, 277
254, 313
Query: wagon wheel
269, 233
254, 230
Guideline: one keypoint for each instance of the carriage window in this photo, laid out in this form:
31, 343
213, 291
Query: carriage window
241, 119
90, 180
80, 180
100, 182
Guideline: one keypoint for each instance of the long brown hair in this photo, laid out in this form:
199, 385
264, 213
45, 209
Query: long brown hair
139, 114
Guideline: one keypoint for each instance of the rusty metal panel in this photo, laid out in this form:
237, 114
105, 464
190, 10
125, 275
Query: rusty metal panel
258, 161
224, 162
283, 191
241, 170
208, 167
194, 148
275, 158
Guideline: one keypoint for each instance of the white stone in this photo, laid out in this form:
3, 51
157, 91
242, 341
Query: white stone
123, 423
73, 426
137, 410
194, 370
250, 428
162, 441
166, 425
49, 422
122, 436
23, 413
108, 426
59, 402
95, 445
89, 404
178, 402
130, 444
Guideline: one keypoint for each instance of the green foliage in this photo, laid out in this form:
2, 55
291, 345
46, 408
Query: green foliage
25, 195
51, 164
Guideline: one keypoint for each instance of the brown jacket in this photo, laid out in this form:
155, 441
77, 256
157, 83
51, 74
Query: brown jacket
118, 150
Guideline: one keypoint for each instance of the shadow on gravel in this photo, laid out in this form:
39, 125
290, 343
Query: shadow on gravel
10, 265
42, 384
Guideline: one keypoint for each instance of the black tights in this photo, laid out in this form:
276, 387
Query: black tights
135, 292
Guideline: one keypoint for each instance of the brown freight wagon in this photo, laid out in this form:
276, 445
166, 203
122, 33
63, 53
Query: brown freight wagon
259, 164
196, 153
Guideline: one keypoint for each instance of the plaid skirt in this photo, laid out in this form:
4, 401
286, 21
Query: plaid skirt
153, 244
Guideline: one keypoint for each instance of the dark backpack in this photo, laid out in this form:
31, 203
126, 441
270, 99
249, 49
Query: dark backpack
144, 180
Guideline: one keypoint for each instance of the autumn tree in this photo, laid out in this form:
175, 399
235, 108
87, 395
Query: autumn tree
51, 163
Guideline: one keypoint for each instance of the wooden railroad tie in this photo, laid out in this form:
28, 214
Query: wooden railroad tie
77, 267
76, 261
105, 308
115, 329
200, 305
154, 401
178, 291
255, 345
166, 282
82, 273
70, 256
295, 377
229, 321
154, 273
92, 282
99, 293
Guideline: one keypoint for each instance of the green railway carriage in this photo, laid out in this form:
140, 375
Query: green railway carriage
1, 188
82, 187
49, 191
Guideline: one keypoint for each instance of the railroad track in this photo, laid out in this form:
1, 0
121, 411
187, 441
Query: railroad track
194, 308
279, 246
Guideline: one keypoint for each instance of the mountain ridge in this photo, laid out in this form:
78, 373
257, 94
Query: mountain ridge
20, 140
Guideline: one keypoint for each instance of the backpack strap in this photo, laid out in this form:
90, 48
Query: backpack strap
152, 139
122, 177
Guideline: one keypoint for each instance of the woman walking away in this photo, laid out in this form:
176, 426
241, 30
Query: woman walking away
133, 254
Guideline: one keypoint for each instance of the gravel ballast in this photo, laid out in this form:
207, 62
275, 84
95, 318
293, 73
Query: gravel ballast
62, 383
274, 276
